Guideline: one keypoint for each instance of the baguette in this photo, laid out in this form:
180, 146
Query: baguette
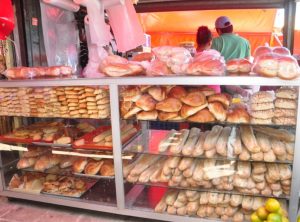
236, 200
280, 134
235, 142
189, 171
249, 139
189, 146
243, 170
198, 172
269, 156
145, 176
171, 210
171, 197
143, 163
221, 145
198, 150
245, 155
174, 161
263, 141
192, 208
212, 138
177, 147
156, 176
285, 172
278, 147
182, 211
290, 147
161, 206
185, 163
101, 136
167, 141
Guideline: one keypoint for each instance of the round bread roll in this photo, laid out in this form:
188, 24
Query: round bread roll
261, 121
285, 120
285, 103
238, 115
217, 109
202, 116
286, 93
194, 99
223, 98
284, 112
164, 116
146, 103
261, 97
263, 114
267, 65
261, 106
177, 92
169, 105
150, 115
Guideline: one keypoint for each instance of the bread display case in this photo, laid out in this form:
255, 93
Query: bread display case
169, 148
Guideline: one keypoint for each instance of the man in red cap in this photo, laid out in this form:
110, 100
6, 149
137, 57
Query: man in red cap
230, 45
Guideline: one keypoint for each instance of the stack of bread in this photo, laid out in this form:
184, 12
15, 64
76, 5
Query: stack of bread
227, 207
41, 160
75, 102
244, 177
244, 143
262, 108
285, 106
169, 103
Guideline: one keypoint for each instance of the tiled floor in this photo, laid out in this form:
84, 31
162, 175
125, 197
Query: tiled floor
25, 211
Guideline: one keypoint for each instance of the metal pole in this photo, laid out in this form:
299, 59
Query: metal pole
117, 144
289, 24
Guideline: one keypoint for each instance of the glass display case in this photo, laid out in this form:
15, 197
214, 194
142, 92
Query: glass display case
169, 148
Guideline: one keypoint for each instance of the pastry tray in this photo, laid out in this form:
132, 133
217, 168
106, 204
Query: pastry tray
22, 190
89, 184
88, 138
7, 138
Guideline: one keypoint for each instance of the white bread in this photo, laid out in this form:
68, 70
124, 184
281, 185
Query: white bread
249, 139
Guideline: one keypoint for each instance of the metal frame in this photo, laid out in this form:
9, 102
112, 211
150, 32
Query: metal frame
114, 84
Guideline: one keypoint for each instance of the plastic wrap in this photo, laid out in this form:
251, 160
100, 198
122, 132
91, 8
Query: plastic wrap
208, 62
125, 24
60, 49
262, 50
117, 66
158, 68
38, 72
276, 65
239, 66
176, 58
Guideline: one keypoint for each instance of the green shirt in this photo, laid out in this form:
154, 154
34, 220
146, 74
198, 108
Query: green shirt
231, 46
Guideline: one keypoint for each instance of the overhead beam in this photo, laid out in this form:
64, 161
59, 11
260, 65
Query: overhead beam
187, 5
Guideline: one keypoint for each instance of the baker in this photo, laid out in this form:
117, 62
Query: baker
229, 44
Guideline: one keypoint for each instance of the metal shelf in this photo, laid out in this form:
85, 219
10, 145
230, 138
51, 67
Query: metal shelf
164, 185
164, 80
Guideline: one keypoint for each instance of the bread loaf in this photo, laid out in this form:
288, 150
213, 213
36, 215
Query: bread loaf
261, 106
166, 142
261, 97
280, 112
164, 116
202, 116
26, 162
187, 111
185, 163
212, 137
280, 134
286, 93
244, 155
285, 103
238, 115
278, 147
199, 150
249, 139
93, 167
169, 105
189, 146
221, 145
158, 93
178, 145
107, 168
223, 98
217, 109
194, 99
149, 115
146, 103
177, 92
285, 120
243, 170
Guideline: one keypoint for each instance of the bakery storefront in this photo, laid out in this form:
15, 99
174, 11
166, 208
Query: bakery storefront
120, 115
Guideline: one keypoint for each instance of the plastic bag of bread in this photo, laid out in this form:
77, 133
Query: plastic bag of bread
262, 50
116, 66
176, 58
276, 65
21, 73
158, 68
238, 66
209, 62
